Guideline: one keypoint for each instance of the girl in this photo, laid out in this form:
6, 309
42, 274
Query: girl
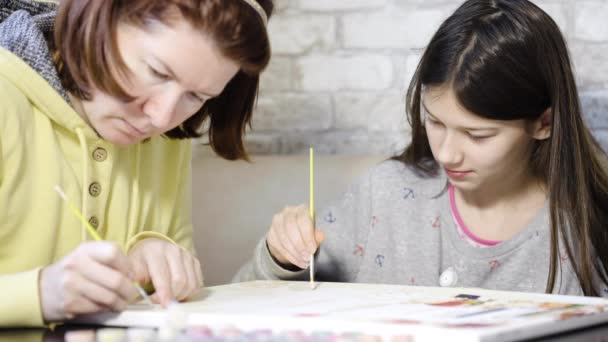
501, 187
101, 97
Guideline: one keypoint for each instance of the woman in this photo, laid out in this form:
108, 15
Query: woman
100, 98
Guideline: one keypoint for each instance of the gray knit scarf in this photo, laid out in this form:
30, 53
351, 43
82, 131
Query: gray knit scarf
26, 27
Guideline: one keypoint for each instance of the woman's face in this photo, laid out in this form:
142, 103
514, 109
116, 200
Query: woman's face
174, 70
477, 153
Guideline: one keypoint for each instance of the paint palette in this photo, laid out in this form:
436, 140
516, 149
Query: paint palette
282, 310
209, 334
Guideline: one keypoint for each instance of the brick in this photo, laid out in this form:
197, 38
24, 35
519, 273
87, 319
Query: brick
351, 143
370, 111
277, 76
296, 33
281, 5
557, 12
595, 108
591, 64
601, 135
409, 68
392, 29
590, 21
428, 3
262, 144
323, 72
292, 112
339, 5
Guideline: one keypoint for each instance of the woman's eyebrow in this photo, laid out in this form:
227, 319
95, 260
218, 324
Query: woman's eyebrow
174, 76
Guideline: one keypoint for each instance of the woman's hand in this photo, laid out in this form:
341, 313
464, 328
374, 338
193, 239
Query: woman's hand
92, 278
292, 238
174, 272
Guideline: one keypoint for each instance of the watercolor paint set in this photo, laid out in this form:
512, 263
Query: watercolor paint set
209, 334
275, 309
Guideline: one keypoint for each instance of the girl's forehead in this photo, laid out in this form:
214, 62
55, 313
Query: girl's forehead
442, 104
437, 100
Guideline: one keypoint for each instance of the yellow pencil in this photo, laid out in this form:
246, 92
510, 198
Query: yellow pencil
312, 216
95, 235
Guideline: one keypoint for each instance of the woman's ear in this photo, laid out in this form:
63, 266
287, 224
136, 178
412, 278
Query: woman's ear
541, 127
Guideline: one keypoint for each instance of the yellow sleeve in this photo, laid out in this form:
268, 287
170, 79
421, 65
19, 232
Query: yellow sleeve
19, 291
1, 163
20, 297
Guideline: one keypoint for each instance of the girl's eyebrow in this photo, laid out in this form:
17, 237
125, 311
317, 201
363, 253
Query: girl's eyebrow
472, 129
427, 111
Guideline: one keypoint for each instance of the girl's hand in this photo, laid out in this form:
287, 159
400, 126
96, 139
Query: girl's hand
292, 238
92, 278
174, 272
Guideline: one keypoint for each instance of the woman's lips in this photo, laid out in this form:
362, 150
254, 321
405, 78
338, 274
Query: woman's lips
134, 131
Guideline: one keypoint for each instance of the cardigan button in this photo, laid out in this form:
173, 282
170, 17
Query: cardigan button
100, 154
95, 189
94, 221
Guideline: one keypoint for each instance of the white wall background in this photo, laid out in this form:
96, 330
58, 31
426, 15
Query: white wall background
340, 69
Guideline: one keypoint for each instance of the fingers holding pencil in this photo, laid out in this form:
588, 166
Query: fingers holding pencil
95, 235
92, 278
292, 238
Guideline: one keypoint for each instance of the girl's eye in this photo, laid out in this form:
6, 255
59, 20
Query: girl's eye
195, 97
479, 138
158, 74
432, 122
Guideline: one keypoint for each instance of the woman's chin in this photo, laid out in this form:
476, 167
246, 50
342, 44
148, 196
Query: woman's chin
120, 139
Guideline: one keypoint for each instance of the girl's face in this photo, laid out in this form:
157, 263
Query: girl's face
476, 152
174, 70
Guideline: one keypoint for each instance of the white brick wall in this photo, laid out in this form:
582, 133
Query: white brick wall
340, 68
334, 73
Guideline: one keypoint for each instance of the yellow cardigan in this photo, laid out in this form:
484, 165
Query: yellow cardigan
129, 193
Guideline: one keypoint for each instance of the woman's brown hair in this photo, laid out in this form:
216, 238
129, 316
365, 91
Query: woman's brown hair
87, 56
507, 60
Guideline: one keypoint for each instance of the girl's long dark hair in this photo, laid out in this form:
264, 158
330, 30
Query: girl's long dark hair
507, 60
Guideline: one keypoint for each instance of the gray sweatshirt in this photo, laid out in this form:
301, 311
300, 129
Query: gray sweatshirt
395, 227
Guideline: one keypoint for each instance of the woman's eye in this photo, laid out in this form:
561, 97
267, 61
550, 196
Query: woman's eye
158, 74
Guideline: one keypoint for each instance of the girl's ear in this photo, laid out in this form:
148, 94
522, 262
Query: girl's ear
541, 127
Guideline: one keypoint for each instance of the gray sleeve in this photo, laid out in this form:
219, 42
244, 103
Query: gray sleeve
263, 267
336, 260
346, 224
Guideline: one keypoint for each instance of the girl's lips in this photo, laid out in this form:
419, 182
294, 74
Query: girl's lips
456, 174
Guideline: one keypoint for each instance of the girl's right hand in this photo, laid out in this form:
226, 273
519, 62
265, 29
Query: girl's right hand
292, 237
92, 278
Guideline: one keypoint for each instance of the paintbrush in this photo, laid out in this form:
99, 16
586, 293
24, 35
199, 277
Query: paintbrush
96, 236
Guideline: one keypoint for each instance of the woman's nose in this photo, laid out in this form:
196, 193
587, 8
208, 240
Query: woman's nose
161, 108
